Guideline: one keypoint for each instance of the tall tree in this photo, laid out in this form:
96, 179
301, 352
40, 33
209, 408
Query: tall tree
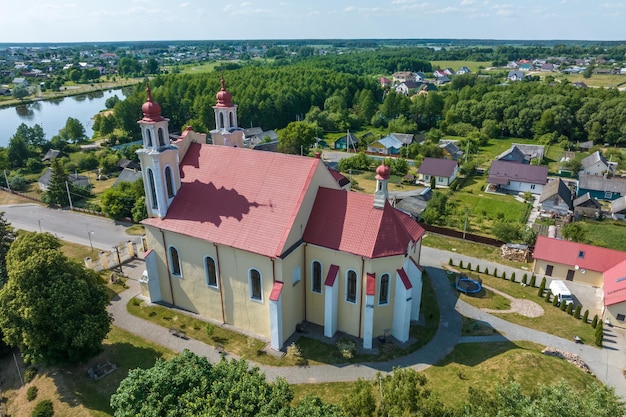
189, 385
297, 137
52, 308
57, 188
73, 131
7, 236
18, 151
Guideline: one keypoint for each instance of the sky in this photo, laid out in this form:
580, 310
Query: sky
136, 20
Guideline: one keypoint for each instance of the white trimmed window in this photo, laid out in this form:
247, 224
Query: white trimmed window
254, 285
169, 182
210, 269
153, 194
161, 136
175, 266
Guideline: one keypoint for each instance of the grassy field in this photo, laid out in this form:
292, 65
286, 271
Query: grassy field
480, 365
474, 66
606, 233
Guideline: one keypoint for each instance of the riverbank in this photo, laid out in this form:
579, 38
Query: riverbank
69, 91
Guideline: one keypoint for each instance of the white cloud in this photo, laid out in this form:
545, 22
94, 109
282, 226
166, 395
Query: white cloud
183, 5
467, 2
403, 1
245, 8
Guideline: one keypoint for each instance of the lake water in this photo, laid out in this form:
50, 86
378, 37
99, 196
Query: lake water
52, 114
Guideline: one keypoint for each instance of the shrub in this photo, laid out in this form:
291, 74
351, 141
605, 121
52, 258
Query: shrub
533, 281
563, 305
525, 279
450, 262
599, 336
547, 297
577, 311
478, 268
570, 308
495, 272
469, 266
513, 277
31, 393
586, 317
504, 275
594, 322
540, 292
543, 282
461, 264
294, 351
555, 300
30, 374
486, 271
346, 348
209, 328
43, 409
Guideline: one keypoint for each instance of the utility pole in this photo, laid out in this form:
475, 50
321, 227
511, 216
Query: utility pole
69, 197
7, 180
465, 226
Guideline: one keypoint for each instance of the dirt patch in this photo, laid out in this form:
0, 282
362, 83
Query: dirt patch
10, 198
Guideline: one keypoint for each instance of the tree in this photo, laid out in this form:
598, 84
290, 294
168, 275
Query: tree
7, 236
507, 231
404, 392
575, 231
188, 385
57, 190
120, 201
73, 131
297, 137
360, 402
18, 151
52, 308
152, 66
20, 91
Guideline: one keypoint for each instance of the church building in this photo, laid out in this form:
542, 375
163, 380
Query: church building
263, 241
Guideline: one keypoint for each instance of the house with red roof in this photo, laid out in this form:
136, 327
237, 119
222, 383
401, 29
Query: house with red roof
263, 242
592, 265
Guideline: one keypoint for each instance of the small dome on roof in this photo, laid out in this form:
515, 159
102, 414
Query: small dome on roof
382, 172
224, 98
151, 109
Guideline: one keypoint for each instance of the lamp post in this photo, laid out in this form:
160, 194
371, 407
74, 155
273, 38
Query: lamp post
89, 233
119, 260
39, 223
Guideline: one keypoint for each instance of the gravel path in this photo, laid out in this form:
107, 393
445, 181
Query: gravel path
518, 305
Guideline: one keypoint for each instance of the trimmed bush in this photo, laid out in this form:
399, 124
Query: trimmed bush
525, 279
599, 336
478, 268
533, 281
547, 297
469, 266
504, 275
43, 409
563, 305
30, 374
585, 318
461, 264
486, 271
543, 282
513, 277
540, 291
555, 300
31, 393
577, 311
495, 272
594, 322
570, 308
450, 262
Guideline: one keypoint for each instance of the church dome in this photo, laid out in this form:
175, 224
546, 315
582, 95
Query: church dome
382, 172
224, 98
151, 109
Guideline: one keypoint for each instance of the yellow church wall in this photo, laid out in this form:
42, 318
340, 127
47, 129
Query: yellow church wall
559, 271
292, 293
321, 178
383, 313
612, 312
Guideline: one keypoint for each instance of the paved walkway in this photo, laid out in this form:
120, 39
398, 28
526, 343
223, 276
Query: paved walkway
607, 363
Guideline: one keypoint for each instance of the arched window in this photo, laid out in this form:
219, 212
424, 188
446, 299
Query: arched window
148, 137
351, 287
221, 126
383, 290
153, 194
254, 285
231, 119
316, 281
161, 137
211, 271
175, 267
169, 182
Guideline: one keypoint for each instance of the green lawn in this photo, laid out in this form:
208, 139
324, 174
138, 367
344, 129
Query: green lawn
474, 66
607, 233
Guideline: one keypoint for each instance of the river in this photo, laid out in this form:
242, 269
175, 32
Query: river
52, 114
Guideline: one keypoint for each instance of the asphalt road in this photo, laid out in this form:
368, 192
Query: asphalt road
67, 225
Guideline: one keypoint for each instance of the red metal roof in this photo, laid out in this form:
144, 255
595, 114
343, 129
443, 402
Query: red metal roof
593, 258
437, 167
405, 279
615, 284
348, 222
501, 172
239, 197
332, 276
276, 289
371, 284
